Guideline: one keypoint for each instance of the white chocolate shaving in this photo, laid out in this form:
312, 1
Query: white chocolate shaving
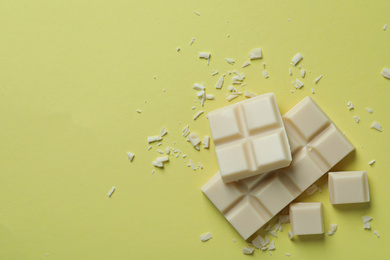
194, 139
155, 138
232, 89
162, 159
163, 132
195, 12
376, 233
219, 83
206, 142
246, 64
186, 131
259, 242
210, 97
277, 226
130, 156
295, 86
317, 79
158, 163
109, 194
384, 27
237, 79
271, 246
197, 115
192, 41
297, 58
214, 72
249, 94
265, 74
273, 233
333, 228
204, 55
247, 250
299, 84
198, 86
386, 73
312, 90
230, 61
371, 162
350, 105
205, 237
255, 54
377, 126
303, 73
366, 222
231, 97
202, 97
357, 119
366, 225
290, 235
192, 165
290, 71
236, 72
369, 110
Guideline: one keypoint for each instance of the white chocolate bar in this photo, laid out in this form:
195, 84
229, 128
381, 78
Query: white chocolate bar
250, 138
316, 144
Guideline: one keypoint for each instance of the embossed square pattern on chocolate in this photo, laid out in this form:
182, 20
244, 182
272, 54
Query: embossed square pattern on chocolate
249, 138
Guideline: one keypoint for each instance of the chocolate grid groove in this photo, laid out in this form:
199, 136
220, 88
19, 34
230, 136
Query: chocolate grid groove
246, 137
316, 157
247, 195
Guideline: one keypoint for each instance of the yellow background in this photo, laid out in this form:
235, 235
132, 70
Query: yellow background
73, 73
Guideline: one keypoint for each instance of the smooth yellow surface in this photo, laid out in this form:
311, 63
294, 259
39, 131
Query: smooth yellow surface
73, 73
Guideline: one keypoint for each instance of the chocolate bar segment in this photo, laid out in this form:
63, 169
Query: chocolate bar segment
348, 187
250, 138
